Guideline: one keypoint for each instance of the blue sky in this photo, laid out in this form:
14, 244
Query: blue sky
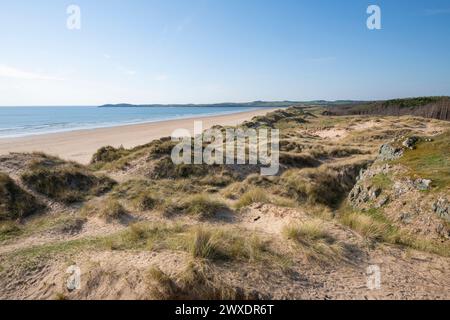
204, 51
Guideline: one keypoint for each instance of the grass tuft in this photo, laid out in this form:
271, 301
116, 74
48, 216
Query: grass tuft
254, 195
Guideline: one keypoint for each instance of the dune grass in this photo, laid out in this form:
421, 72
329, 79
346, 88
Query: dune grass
314, 241
254, 195
197, 281
15, 203
112, 210
64, 181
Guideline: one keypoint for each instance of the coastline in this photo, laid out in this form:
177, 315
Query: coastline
80, 145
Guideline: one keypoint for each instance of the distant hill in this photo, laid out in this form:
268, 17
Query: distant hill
255, 104
428, 107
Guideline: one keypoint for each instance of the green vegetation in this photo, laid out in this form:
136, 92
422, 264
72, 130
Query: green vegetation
430, 160
382, 181
429, 107
9, 230
15, 203
411, 102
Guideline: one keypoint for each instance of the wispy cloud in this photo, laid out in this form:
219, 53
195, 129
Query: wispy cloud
434, 12
14, 73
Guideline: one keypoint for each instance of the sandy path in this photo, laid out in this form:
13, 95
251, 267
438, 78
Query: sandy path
80, 145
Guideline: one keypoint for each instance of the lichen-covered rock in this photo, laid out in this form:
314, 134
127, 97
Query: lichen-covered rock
442, 208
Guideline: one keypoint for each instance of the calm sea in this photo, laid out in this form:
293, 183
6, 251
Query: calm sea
23, 121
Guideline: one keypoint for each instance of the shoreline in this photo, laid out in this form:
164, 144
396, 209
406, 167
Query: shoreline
80, 145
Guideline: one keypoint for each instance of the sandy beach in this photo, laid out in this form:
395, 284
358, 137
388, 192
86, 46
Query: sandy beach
82, 144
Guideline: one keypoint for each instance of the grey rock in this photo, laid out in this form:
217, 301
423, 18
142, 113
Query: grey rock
442, 208
422, 184
388, 152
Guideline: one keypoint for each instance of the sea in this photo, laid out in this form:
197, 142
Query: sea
26, 121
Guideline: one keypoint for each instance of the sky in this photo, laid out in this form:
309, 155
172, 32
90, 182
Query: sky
207, 51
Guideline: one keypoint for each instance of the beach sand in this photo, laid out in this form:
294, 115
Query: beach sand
82, 144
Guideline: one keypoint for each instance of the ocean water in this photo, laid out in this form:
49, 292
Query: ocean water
24, 121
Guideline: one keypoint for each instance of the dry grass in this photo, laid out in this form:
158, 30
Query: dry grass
254, 195
203, 205
314, 241
204, 244
198, 281
366, 225
232, 244
112, 210
109, 209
